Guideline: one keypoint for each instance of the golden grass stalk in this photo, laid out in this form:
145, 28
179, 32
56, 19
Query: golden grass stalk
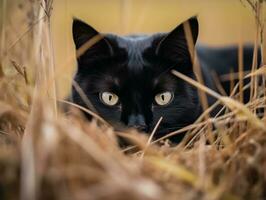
240, 70
3, 32
199, 77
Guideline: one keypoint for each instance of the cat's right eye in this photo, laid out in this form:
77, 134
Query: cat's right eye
109, 98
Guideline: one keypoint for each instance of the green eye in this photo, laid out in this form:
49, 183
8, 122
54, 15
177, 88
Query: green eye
109, 98
163, 98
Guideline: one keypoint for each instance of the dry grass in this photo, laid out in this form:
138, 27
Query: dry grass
45, 154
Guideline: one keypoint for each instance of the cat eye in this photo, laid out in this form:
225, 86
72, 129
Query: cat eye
109, 98
163, 98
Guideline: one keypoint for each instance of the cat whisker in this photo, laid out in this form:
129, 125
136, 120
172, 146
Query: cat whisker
151, 136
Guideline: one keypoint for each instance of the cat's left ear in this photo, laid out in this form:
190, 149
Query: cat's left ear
175, 45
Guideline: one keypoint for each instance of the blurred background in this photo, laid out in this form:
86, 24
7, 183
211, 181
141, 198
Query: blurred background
222, 22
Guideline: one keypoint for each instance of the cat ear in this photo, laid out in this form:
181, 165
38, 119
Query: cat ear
84, 33
174, 46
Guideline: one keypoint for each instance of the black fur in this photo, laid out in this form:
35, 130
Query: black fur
136, 68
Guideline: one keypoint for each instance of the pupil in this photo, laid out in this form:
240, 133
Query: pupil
110, 97
162, 97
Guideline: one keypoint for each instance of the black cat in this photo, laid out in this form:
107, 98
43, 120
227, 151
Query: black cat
128, 79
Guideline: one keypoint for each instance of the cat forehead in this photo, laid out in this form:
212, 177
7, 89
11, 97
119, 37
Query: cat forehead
134, 45
134, 42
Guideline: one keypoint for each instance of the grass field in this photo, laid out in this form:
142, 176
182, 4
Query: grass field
45, 154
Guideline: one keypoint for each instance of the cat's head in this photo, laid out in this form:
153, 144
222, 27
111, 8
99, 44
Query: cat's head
128, 79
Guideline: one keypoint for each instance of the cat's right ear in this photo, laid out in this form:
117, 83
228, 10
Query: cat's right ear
85, 34
175, 46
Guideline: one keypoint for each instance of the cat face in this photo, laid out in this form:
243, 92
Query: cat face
128, 79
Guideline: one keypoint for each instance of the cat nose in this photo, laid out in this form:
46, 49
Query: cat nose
137, 122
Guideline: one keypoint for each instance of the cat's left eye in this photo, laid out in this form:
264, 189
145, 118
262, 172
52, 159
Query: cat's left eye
163, 98
109, 98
